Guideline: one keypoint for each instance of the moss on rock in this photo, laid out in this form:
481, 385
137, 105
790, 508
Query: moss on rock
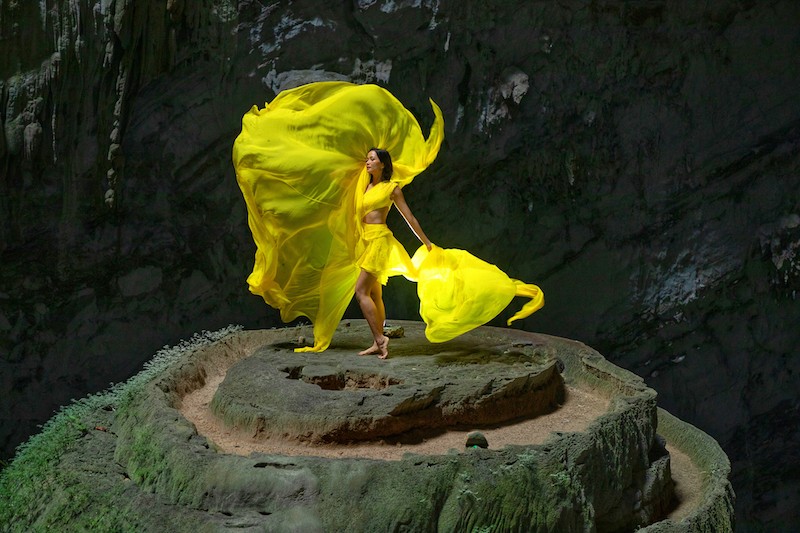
128, 460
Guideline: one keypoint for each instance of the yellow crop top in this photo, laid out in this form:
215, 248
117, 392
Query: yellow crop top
379, 196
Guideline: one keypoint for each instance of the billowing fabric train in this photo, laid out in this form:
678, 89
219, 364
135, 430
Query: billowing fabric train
300, 165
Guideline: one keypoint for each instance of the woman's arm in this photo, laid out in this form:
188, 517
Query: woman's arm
400, 201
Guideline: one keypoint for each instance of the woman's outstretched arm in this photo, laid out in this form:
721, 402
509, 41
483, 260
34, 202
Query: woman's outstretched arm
400, 201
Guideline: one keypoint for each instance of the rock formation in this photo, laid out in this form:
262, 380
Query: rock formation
636, 160
128, 460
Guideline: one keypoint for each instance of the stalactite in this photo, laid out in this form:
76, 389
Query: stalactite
32, 139
53, 116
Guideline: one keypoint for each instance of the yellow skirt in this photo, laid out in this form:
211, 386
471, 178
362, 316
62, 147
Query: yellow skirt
383, 255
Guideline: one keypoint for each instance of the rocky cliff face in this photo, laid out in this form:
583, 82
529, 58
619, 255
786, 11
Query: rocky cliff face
637, 161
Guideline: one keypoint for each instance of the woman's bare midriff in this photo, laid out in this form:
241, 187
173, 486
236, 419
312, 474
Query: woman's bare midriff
377, 216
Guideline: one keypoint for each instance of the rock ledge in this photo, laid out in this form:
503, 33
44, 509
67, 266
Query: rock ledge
339, 397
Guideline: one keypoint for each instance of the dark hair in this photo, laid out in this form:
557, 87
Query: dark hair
386, 159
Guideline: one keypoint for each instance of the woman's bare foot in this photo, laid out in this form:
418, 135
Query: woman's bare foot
371, 350
383, 344
381, 348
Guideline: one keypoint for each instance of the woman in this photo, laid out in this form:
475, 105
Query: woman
380, 245
317, 213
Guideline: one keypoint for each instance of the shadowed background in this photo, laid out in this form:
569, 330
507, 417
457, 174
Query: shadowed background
637, 160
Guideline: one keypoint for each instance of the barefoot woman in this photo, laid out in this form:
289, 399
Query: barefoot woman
318, 216
381, 250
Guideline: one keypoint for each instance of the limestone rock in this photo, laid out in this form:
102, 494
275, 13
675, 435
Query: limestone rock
393, 332
144, 466
476, 439
339, 397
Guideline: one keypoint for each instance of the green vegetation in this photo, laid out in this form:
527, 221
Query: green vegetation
25, 482
45, 487
125, 460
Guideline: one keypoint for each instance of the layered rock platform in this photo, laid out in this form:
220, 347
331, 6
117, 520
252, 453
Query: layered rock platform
344, 398
130, 459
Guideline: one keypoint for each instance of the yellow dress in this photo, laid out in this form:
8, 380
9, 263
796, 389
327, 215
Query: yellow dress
379, 253
299, 163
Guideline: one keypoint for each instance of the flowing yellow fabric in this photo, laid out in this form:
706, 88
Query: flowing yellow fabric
459, 292
300, 165
383, 255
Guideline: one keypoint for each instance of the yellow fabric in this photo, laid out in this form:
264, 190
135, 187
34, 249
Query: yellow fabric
383, 255
300, 165
378, 196
459, 292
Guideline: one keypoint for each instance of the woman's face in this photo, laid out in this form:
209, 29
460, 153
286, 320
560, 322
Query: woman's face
374, 164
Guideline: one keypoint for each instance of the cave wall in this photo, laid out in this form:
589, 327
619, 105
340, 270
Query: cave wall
637, 160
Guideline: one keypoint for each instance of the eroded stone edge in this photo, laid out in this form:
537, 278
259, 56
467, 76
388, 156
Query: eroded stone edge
189, 478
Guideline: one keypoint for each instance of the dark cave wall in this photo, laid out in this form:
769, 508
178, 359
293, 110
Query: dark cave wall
639, 161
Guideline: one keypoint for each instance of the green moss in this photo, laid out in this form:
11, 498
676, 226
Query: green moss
72, 477
77, 509
147, 458
26, 484
38, 492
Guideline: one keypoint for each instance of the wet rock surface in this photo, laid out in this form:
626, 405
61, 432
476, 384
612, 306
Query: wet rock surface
638, 162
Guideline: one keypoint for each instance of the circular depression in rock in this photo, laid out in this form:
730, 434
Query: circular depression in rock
347, 380
316, 398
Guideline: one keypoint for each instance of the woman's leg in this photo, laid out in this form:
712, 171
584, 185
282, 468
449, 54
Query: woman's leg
377, 297
373, 312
